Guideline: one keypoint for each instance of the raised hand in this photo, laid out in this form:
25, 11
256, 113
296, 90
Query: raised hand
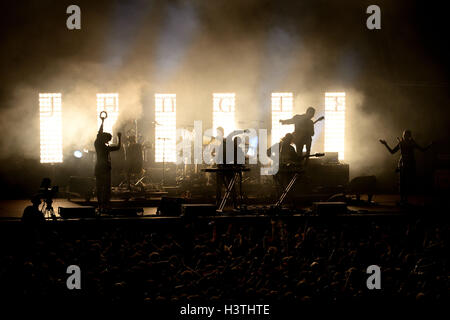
103, 115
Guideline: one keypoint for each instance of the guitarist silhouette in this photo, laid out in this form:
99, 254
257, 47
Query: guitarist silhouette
304, 130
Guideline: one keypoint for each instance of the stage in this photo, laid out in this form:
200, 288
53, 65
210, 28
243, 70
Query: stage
382, 205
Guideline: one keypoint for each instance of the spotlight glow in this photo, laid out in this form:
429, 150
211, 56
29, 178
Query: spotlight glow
108, 102
223, 111
282, 107
50, 127
165, 129
78, 154
335, 122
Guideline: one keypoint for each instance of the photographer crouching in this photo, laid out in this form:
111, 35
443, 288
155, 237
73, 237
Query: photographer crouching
32, 215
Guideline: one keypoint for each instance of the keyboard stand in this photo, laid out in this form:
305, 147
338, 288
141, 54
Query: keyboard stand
229, 188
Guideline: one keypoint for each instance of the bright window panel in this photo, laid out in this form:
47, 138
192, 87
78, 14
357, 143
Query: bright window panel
51, 127
335, 122
282, 107
165, 129
108, 102
223, 112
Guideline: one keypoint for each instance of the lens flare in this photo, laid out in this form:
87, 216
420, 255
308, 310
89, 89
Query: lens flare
78, 154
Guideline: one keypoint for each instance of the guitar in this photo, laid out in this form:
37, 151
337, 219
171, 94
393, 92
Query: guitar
298, 166
319, 119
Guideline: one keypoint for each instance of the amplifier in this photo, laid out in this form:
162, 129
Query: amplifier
331, 157
328, 175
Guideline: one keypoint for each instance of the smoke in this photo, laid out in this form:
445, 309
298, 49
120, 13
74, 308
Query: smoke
126, 20
196, 48
175, 38
79, 86
19, 123
363, 151
281, 50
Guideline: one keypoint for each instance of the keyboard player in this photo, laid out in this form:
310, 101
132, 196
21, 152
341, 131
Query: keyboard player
288, 158
224, 177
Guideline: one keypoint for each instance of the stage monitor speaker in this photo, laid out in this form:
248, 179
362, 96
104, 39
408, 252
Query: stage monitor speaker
329, 208
331, 157
76, 212
330, 175
198, 210
170, 206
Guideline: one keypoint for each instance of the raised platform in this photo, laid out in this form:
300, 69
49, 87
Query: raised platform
383, 206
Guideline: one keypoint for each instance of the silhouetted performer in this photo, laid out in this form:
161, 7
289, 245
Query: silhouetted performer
103, 166
225, 177
32, 215
133, 158
223, 146
287, 151
407, 163
288, 157
304, 130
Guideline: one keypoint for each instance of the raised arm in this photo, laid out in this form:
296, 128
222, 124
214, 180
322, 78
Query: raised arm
396, 148
99, 133
100, 130
103, 115
117, 147
288, 121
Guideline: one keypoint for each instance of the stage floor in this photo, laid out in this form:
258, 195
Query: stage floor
382, 203
14, 208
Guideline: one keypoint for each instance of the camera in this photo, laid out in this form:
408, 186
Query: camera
47, 193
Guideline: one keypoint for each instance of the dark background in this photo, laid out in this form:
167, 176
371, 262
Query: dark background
395, 78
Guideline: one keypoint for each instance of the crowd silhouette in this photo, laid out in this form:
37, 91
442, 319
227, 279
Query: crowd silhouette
266, 262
